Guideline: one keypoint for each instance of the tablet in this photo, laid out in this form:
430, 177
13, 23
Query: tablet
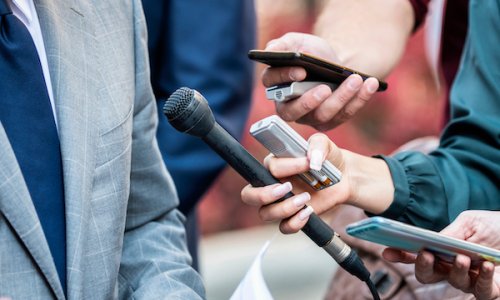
413, 239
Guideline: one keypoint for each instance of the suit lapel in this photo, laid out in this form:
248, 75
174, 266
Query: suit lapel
69, 42
18, 209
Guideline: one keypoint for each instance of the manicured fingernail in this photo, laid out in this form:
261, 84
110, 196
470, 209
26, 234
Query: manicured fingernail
354, 83
316, 160
305, 213
282, 189
301, 199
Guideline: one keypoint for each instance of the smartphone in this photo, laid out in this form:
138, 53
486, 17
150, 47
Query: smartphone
289, 91
283, 141
413, 239
317, 69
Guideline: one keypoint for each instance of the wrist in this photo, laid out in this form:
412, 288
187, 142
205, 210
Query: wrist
370, 183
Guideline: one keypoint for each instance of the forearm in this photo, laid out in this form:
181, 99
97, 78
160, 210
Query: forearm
372, 188
367, 35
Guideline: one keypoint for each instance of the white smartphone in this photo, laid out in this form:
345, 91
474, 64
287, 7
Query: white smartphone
413, 239
283, 141
292, 90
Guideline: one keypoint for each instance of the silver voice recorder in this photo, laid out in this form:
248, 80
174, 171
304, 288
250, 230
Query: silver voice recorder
292, 90
283, 141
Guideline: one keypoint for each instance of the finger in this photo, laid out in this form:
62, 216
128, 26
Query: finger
459, 273
284, 209
259, 196
308, 102
330, 113
483, 288
395, 255
277, 75
367, 90
296, 222
424, 268
268, 159
318, 147
277, 45
290, 41
287, 166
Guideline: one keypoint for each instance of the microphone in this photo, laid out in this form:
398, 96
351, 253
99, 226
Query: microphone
188, 111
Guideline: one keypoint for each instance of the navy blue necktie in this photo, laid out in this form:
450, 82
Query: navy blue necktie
26, 115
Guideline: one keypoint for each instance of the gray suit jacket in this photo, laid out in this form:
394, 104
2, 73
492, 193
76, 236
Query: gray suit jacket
125, 238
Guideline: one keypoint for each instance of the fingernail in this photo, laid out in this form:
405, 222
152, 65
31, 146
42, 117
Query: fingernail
305, 213
372, 86
354, 83
301, 199
296, 74
316, 160
281, 190
271, 44
321, 93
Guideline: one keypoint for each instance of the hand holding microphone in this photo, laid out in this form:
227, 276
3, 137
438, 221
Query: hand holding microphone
188, 111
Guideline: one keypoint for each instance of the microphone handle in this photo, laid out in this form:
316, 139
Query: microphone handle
258, 176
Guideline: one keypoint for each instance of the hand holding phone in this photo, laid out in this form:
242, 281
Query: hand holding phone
315, 104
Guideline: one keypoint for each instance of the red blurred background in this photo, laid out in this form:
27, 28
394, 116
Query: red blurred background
411, 107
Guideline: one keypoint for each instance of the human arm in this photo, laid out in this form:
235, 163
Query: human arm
362, 35
155, 262
483, 281
427, 190
357, 170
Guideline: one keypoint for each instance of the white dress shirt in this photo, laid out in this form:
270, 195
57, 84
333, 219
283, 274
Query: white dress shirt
25, 11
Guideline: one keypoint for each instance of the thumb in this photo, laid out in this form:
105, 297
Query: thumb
278, 45
457, 228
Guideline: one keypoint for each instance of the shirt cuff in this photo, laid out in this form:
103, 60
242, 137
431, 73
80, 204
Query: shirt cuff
401, 188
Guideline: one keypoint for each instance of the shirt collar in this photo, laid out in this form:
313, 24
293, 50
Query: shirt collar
24, 9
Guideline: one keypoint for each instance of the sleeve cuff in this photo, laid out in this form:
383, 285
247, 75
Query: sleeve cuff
401, 189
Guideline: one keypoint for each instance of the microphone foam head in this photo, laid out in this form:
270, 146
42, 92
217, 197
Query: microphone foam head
178, 102
188, 111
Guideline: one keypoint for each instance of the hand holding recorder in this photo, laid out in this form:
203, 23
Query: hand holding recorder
322, 106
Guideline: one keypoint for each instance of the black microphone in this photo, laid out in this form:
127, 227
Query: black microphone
188, 112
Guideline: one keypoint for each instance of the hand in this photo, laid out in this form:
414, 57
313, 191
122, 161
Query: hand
480, 227
375, 196
319, 107
292, 212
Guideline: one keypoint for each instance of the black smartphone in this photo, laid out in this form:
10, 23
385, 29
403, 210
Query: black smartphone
317, 69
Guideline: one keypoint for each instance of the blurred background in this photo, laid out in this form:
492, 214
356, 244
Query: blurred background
232, 234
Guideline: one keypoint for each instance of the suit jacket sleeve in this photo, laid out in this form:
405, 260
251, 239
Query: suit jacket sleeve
155, 262
464, 172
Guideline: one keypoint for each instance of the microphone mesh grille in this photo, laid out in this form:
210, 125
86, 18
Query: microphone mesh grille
178, 102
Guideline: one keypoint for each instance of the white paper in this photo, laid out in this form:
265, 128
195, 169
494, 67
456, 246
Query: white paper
253, 286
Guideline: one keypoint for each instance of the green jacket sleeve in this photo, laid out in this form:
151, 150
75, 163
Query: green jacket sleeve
464, 172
